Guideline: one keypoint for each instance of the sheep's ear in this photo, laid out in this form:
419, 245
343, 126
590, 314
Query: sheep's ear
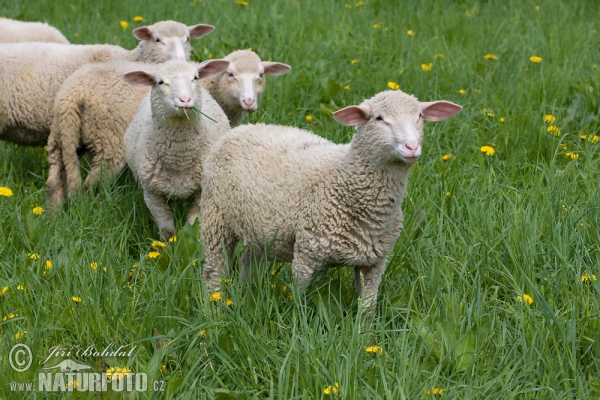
212, 68
275, 68
197, 31
142, 33
139, 78
353, 115
439, 110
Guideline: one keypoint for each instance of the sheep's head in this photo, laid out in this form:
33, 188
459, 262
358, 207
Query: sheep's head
391, 123
244, 81
176, 89
168, 40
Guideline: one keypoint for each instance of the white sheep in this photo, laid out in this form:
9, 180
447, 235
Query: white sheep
238, 89
31, 73
13, 31
167, 141
95, 106
313, 202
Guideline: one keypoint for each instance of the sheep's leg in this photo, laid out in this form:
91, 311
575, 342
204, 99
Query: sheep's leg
193, 212
161, 212
219, 247
304, 267
366, 281
252, 257
56, 173
108, 168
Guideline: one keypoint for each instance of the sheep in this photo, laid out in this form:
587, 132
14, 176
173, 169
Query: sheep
31, 73
238, 89
95, 106
13, 31
167, 141
313, 202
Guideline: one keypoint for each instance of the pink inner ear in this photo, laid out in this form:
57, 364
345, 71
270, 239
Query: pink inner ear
352, 115
138, 78
142, 33
200, 30
439, 110
212, 68
275, 68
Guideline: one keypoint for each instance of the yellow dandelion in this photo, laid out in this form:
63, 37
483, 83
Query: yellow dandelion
590, 138
284, 288
435, 391
332, 389
427, 67
33, 256
273, 272
446, 157
553, 129
163, 369
501, 119
462, 91
347, 87
410, 32
153, 254
158, 245
215, 296
202, 333
20, 335
94, 266
73, 384
571, 155
374, 349
48, 264
439, 55
537, 8
309, 118
569, 208
20, 287
76, 299
172, 239
229, 302
447, 194
37, 210
488, 150
355, 61
9, 316
490, 57
6, 192
549, 118
587, 277
124, 24
360, 3
116, 372
562, 146
393, 85
377, 25
291, 297
3, 290
525, 298
348, 5
137, 18
535, 59
241, 2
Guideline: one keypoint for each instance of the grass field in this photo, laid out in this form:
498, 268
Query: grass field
483, 235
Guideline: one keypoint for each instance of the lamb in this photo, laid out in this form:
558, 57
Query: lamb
95, 106
168, 139
13, 31
31, 73
313, 202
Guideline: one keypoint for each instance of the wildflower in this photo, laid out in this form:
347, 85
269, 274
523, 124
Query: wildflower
360, 3
73, 384
439, 55
291, 297
172, 239
20, 335
48, 264
537, 8
158, 245
153, 254
573, 156
490, 57
549, 118
348, 5
202, 333
501, 119
562, 146
355, 61
525, 298
163, 369
6, 192
488, 150
393, 85
590, 138
377, 25
462, 91
20, 287
273, 272
76, 299
137, 18
553, 129
347, 87
535, 59
124, 24
447, 194
569, 208
116, 372
229, 302
309, 118
410, 32
37, 210
3, 290
446, 157
587, 278
33, 256
215, 296
284, 288
427, 67
332, 389
94, 266
374, 349
435, 391
241, 2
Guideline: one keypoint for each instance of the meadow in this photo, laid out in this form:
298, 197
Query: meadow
491, 289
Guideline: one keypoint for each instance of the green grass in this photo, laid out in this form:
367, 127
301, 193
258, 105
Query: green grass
480, 231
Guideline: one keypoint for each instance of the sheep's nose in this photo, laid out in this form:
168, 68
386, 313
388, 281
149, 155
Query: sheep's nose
185, 100
248, 102
411, 146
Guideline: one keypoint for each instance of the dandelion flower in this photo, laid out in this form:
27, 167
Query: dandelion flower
377, 25
309, 118
488, 150
562, 146
3, 290
173, 239
446, 157
347, 87
94, 266
501, 119
241, 2
116, 372
332, 389
291, 297
360, 3
76, 299
33, 256
355, 61
348, 5
153, 254
6, 192
229, 302
410, 32
535, 59
215, 296
447, 194
590, 138
553, 129
427, 67
137, 18
490, 57
393, 85
37, 210
549, 118
462, 91
525, 298
48, 264
435, 392
202, 333
439, 55
9, 316
20, 287
374, 349
573, 156
158, 245
587, 277
163, 369
124, 24
19, 335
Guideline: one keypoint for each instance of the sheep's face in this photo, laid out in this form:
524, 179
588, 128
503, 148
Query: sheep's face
244, 81
391, 124
175, 86
169, 40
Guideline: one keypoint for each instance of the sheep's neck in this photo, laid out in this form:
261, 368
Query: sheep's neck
175, 137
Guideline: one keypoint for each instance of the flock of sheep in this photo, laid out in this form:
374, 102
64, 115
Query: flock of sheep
286, 193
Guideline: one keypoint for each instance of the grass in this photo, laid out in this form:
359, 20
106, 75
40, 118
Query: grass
480, 231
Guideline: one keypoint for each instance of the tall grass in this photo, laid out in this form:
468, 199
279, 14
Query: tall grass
480, 231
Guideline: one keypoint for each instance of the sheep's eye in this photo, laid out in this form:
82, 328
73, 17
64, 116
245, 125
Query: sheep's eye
421, 115
230, 74
160, 82
187, 40
378, 118
260, 76
156, 40
196, 78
